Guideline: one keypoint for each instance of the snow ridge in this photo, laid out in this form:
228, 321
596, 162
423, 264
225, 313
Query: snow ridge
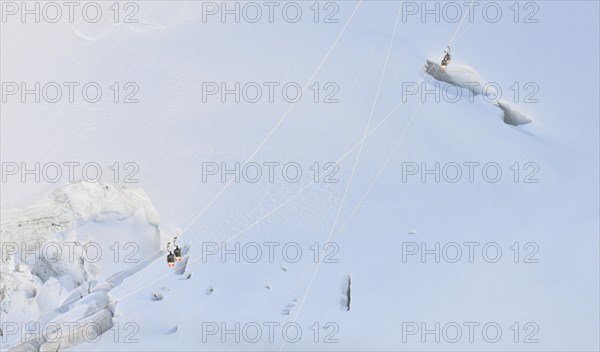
465, 77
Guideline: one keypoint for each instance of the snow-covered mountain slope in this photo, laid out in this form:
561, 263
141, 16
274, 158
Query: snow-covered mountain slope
437, 215
56, 266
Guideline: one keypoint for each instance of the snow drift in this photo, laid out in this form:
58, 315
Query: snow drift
461, 76
465, 77
511, 116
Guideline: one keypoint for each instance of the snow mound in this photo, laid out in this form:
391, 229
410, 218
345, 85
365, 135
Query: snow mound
461, 76
465, 77
511, 116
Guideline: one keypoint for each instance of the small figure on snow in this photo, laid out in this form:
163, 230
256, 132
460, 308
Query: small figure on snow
446, 59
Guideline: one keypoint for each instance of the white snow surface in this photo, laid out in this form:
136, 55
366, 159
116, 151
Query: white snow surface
143, 305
